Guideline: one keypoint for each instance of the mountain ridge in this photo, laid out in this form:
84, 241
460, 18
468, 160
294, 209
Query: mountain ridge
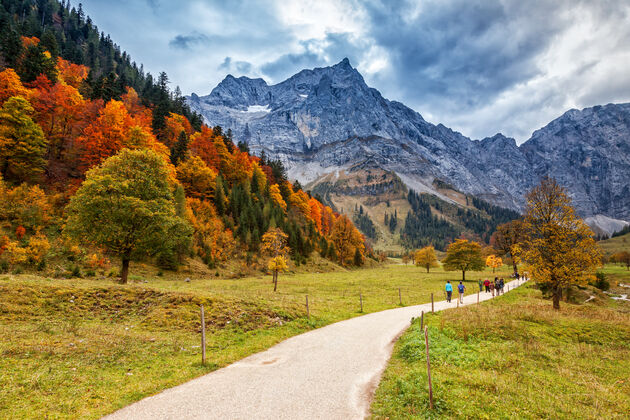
328, 119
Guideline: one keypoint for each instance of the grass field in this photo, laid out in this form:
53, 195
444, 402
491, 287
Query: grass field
84, 347
618, 244
515, 357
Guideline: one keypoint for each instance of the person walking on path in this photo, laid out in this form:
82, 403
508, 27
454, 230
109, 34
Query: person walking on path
461, 288
480, 285
492, 288
487, 284
449, 290
501, 284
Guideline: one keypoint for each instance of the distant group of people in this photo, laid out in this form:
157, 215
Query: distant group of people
493, 287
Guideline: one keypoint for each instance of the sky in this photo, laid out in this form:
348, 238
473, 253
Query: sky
477, 66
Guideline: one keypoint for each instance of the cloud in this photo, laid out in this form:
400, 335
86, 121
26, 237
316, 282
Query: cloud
477, 66
239, 67
187, 42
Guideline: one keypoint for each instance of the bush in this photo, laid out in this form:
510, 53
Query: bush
75, 271
601, 282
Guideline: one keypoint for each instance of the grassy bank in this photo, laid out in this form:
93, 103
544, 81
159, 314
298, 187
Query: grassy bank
75, 348
514, 357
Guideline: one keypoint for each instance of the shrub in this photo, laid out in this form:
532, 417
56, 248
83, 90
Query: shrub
601, 282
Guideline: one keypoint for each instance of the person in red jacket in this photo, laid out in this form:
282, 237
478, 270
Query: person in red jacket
487, 284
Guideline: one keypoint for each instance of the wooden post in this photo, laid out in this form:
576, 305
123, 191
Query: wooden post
203, 337
458, 301
426, 342
308, 313
432, 308
477, 297
361, 301
399, 297
422, 320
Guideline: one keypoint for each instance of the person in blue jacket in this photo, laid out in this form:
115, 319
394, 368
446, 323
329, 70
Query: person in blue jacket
461, 288
449, 290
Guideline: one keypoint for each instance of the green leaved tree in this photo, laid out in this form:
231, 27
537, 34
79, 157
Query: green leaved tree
22, 142
463, 255
126, 206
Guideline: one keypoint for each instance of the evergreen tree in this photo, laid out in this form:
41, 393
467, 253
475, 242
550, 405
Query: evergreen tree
179, 150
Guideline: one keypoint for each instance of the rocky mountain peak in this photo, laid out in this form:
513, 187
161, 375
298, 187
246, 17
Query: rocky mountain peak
327, 119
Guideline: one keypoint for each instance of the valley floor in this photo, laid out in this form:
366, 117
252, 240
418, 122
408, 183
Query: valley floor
85, 347
515, 357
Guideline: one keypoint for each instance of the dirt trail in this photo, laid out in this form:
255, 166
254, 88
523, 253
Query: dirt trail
328, 373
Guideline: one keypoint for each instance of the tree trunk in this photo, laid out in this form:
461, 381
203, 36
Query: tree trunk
557, 295
275, 280
125, 270
427, 268
463, 275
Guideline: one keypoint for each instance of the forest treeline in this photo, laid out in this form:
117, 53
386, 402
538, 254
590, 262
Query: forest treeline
70, 100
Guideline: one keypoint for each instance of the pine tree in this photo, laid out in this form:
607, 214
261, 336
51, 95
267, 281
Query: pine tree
179, 150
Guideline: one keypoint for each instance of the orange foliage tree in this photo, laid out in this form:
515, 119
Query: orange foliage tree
347, 239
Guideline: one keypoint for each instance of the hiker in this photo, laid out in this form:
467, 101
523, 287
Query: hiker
461, 288
492, 288
496, 287
501, 284
480, 285
449, 290
487, 284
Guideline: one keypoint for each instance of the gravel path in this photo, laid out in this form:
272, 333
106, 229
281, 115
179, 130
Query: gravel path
328, 373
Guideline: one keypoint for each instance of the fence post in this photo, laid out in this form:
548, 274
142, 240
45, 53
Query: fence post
477, 297
432, 309
422, 320
361, 300
426, 342
308, 313
203, 337
399, 297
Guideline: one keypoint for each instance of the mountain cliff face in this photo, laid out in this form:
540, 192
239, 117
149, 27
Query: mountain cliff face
326, 120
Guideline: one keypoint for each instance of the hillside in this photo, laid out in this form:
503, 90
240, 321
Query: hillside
57, 126
325, 120
615, 244
395, 218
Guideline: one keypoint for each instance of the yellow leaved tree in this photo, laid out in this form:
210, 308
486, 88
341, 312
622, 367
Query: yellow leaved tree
494, 262
274, 243
557, 246
426, 258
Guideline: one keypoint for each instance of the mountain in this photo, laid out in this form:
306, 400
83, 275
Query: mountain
326, 120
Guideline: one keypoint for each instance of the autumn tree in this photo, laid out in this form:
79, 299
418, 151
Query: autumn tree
10, 85
347, 240
274, 243
22, 142
426, 258
557, 247
494, 262
126, 206
198, 179
622, 257
463, 255
506, 238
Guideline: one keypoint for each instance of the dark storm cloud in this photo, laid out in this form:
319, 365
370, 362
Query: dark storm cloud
464, 52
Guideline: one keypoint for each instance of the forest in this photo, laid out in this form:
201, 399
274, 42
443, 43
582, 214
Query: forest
73, 105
